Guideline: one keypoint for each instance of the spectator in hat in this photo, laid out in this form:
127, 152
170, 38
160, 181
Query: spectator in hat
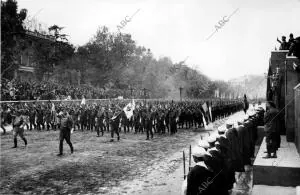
204, 144
200, 177
216, 161
222, 130
211, 140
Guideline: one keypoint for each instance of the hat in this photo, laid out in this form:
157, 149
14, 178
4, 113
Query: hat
229, 124
211, 139
203, 144
223, 141
240, 122
221, 130
217, 143
214, 152
199, 152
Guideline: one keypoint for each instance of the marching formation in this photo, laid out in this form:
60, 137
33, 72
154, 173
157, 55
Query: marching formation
138, 116
220, 155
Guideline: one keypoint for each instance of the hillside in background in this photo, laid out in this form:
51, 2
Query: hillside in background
254, 86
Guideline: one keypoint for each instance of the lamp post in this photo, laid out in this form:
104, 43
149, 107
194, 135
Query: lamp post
144, 91
180, 92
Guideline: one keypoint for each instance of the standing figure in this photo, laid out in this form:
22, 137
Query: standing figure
40, 118
18, 128
66, 125
115, 122
283, 44
148, 123
32, 114
3, 119
272, 129
100, 122
246, 104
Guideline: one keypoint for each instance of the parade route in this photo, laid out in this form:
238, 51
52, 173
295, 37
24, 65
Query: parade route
166, 176
131, 166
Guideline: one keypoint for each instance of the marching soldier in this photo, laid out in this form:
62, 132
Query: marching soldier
148, 123
115, 122
18, 128
100, 122
32, 114
172, 121
66, 126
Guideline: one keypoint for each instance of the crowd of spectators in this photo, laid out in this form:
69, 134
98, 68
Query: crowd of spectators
15, 90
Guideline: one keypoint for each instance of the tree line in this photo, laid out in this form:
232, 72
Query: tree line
108, 61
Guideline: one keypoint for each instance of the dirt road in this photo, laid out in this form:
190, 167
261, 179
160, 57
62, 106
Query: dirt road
166, 177
131, 166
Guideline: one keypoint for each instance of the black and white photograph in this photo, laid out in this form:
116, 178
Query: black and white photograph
150, 97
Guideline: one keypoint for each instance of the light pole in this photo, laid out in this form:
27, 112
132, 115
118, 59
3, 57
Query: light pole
144, 93
180, 92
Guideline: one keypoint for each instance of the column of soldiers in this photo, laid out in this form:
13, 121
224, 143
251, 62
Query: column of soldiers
219, 156
156, 117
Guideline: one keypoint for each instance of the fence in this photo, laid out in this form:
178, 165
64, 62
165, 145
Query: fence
297, 117
214, 101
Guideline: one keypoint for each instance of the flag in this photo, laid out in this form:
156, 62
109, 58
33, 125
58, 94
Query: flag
52, 107
204, 106
83, 101
204, 121
128, 109
210, 114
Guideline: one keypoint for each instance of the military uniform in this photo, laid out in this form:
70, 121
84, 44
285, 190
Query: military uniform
115, 125
65, 133
32, 114
100, 123
40, 119
148, 123
18, 129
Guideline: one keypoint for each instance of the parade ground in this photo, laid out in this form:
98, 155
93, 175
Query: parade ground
132, 165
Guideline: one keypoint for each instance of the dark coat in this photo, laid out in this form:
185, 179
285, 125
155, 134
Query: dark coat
272, 129
198, 181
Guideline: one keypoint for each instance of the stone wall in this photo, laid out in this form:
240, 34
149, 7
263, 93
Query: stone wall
285, 98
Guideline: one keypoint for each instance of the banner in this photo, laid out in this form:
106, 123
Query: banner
210, 114
128, 109
204, 106
83, 101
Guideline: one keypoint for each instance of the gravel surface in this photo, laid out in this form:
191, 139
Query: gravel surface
130, 166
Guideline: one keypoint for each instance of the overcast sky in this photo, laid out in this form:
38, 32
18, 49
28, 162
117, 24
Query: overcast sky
178, 29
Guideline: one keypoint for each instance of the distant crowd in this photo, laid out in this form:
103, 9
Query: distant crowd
15, 90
